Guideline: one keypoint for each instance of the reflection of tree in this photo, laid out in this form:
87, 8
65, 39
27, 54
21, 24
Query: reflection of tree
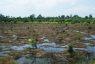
34, 57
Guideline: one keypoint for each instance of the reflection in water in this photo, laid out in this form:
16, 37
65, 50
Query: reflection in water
90, 37
47, 47
50, 47
21, 47
91, 49
32, 60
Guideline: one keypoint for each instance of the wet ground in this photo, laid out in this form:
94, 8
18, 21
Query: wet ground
49, 47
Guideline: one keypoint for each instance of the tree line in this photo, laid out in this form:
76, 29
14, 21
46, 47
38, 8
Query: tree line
40, 18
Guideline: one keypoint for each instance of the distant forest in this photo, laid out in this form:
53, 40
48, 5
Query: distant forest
59, 19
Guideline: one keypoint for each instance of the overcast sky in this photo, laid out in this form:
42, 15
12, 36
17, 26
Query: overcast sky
47, 7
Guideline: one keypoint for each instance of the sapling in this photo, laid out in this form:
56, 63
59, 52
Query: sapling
33, 42
71, 50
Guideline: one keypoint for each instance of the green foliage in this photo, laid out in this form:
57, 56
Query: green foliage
7, 60
60, 19
71, 51
33, 42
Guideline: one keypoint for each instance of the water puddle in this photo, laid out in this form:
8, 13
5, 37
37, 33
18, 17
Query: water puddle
46, 47
21, 47
32, 60
91, 49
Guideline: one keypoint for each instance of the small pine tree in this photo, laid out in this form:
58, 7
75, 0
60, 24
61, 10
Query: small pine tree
33, 42
71, 51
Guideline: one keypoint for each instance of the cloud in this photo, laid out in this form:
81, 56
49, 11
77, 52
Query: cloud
80, 10
44, 7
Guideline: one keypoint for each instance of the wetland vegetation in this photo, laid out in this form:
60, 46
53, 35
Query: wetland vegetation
47, 40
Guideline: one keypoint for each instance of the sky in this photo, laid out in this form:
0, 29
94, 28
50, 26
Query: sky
25, 8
